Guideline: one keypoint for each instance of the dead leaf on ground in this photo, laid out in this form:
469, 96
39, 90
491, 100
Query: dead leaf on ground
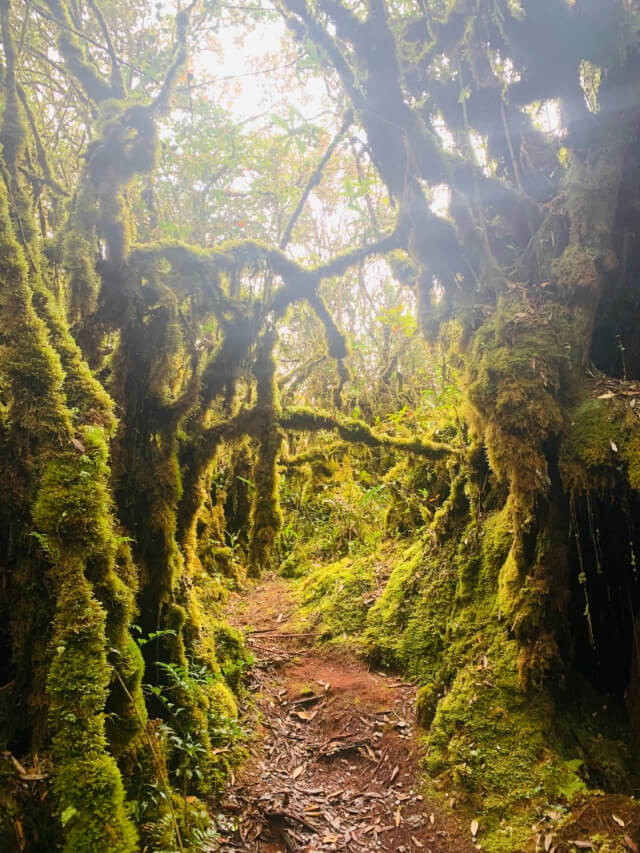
307, 716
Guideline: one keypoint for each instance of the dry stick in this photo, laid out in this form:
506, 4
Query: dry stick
514, 162
275, 631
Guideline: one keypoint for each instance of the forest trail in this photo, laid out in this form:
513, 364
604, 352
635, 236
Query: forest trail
335, 764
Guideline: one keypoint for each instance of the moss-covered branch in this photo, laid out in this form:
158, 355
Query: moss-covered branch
117, 82
356, 431
81, 67
315, 454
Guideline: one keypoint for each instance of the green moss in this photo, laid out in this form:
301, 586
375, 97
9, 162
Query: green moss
30, 368
517, 383
492, 744
86, 781
388, 619
72, 516
84, 394
75, 56
222, 704
266, 516
126, 710
232, 655
80, 246
602, 436
335, 597
445, 617
357, 431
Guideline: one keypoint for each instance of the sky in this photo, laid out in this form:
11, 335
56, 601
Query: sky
248, 77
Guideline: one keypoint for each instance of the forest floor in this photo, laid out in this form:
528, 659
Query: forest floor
334, 762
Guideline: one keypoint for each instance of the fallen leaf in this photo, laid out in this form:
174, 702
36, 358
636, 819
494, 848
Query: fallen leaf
617, 819
582, 845
298, 771
606, 396
614, 446
307, 716
630, 844
397, 817
548, 840
78, 445
415, 841
432, 818
474, 827
330, 839
394, 773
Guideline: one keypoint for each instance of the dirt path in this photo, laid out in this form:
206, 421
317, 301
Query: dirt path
335, 763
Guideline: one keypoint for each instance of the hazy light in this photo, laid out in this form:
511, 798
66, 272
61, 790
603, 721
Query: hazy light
247, 77
440, 200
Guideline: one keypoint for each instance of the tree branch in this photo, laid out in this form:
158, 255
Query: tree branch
358, 432
314, 180
117, 83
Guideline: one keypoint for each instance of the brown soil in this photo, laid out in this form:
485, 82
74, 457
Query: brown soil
335, 764
610, 817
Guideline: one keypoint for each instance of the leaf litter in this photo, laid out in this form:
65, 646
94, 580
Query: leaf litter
335, 761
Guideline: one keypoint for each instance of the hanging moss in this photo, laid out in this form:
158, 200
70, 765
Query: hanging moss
517, 384
30, 366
